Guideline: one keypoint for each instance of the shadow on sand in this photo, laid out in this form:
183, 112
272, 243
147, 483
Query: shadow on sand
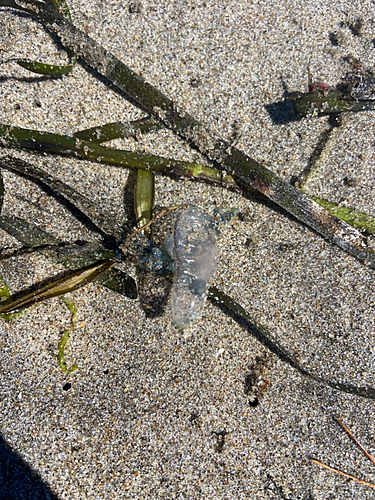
18, 481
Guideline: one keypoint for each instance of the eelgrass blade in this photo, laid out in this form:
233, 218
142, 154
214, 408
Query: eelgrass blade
74, 256
78, 200
1, 191
334, 229
144, 199
71, 256
40, 140
333, 103
65, 336
119, 282
32, 236
244, 169
62, 7
59, 287
45, 69
20, 138
353, 217
144, 195
266, 338
5, 299
31, 139
118, 130
52, 69
27, 233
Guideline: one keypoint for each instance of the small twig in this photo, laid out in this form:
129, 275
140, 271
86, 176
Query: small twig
366, 483
355, 440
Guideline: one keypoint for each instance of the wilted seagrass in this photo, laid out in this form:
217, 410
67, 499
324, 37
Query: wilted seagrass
194, 249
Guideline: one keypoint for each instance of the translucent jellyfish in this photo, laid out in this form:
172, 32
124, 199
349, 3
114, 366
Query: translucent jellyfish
193, 246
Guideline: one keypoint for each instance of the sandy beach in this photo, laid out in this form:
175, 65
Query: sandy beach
210, 413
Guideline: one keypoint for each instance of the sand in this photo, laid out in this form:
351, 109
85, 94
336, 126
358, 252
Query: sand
152, 412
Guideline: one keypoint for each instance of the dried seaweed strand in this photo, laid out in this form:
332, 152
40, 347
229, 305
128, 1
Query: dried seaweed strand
261, 333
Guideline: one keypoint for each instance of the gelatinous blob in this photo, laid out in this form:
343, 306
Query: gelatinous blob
194, 251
